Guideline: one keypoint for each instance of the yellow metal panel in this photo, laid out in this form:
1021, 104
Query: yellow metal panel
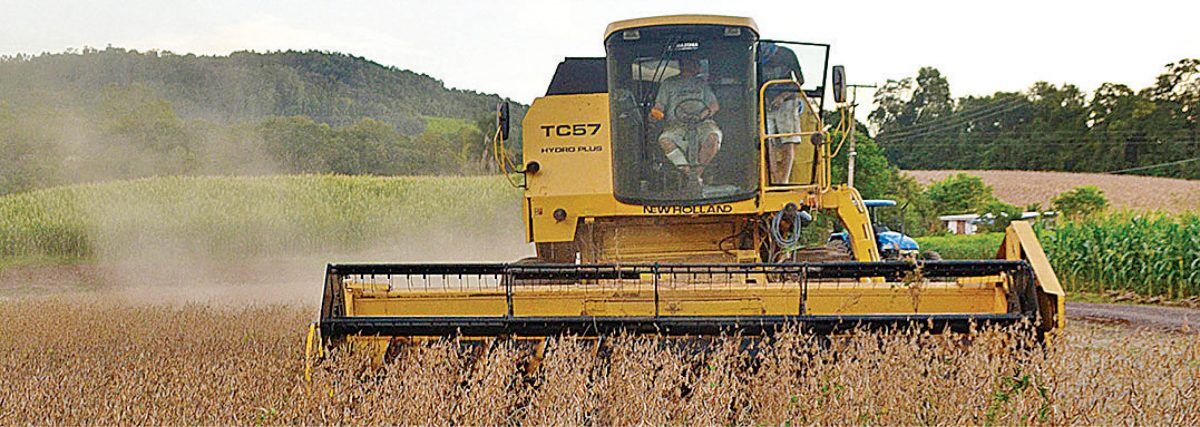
619, 307
444, 304
568, 135
877, 299
714, 307
1020, 242
618, 239
679, 299
732, 21
850, 209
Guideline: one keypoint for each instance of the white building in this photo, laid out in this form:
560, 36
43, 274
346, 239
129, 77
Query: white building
960, 224
969, 223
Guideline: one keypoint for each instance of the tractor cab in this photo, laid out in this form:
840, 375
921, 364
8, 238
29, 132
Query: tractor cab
892, 244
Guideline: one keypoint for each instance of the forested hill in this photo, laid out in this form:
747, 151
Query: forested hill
97, 115
333, 88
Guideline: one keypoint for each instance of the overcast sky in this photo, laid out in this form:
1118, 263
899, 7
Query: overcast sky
511, 47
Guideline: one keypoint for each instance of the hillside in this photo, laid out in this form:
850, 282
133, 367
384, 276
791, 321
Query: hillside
1123, 191
332, 88
116, 114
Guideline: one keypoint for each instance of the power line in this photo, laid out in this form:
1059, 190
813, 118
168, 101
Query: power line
958, 121
1177, 162
1090, 132
954, 117
1057, 137
953, 125
1039, 138
991, 142
960, 117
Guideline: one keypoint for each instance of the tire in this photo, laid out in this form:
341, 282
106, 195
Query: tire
840, 247
931, 255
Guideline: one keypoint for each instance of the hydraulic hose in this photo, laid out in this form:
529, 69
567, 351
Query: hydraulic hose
776, 222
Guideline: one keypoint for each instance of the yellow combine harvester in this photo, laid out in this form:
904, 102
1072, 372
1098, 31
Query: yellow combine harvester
665, 187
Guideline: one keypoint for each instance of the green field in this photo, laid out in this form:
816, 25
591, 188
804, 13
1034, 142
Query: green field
250, 216
446, 125
975, 246
1151, 254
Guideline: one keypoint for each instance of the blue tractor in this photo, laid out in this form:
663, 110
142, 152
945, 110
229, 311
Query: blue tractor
892, 244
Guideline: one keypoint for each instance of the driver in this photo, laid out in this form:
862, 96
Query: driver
687, 104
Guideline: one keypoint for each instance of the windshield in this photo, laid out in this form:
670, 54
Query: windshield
683, 109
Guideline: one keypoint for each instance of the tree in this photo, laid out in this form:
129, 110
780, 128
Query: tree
996, 215
1081, 202
370, 147
892, 110
931, 97
1045, 127
959, 193
297, 144
140, 136
29, 159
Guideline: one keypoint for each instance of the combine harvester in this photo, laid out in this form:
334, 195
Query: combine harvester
684, 221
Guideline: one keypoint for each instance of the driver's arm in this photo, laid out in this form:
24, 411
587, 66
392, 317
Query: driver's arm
656, 112
710, 100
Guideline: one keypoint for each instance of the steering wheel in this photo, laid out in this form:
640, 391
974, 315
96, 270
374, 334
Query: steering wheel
691, 111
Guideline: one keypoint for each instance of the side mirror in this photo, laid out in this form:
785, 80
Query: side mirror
839, 84
502, 120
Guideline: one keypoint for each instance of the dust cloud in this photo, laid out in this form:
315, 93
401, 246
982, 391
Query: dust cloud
177, 275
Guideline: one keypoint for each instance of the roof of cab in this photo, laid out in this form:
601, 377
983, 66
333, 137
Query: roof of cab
732, 21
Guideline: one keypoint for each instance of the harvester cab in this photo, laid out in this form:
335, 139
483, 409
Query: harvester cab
665, 186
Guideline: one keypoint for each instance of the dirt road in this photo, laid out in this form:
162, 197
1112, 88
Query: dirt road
1143, 316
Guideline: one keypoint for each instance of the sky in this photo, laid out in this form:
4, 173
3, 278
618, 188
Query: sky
512, 47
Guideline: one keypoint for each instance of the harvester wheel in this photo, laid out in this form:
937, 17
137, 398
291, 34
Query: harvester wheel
832, 251
841, 248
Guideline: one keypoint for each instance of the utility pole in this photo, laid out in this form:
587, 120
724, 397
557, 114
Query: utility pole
853, 124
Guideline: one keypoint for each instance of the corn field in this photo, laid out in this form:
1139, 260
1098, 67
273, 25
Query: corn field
246, 217
1150, 254
93, 360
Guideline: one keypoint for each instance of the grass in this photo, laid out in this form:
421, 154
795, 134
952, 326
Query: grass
246, 216
196, 364
974, 246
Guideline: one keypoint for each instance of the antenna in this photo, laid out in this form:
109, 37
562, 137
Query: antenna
853, 123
